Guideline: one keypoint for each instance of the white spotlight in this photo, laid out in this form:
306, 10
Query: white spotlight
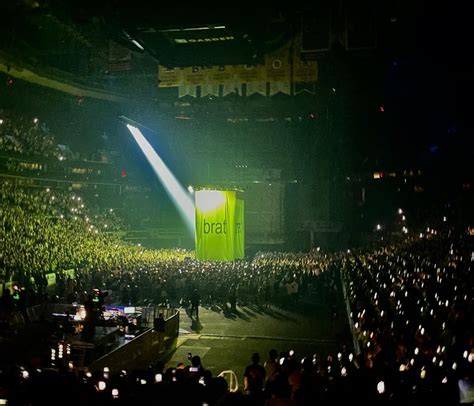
173, 187
138, 45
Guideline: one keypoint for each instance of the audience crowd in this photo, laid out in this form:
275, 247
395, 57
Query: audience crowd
409, 301
26, 136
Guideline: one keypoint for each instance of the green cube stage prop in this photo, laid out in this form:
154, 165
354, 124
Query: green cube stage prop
220, 232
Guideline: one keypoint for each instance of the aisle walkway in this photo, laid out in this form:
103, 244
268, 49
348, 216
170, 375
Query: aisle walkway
228, 341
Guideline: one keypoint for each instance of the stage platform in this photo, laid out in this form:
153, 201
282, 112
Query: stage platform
52, 337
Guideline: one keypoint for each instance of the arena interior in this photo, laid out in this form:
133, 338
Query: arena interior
335, 266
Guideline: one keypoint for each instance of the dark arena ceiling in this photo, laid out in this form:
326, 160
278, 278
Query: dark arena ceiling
74, 35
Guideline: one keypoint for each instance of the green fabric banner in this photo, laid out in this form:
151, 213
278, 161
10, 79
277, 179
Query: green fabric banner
239, 239
51, 278
216, 228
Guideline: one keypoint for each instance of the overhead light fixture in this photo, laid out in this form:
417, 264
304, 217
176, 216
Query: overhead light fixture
137, 44
203, 28
133, 40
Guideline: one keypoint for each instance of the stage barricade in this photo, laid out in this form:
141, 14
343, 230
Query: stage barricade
232, 380
142, 350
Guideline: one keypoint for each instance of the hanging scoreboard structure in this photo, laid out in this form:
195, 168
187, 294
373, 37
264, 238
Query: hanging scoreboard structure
220, 231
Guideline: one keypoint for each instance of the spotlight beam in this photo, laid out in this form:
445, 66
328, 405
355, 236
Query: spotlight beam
180, 197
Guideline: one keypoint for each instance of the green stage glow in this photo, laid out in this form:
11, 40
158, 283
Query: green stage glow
174, 189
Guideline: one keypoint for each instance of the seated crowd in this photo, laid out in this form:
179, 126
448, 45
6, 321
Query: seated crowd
410, 305
26, 136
